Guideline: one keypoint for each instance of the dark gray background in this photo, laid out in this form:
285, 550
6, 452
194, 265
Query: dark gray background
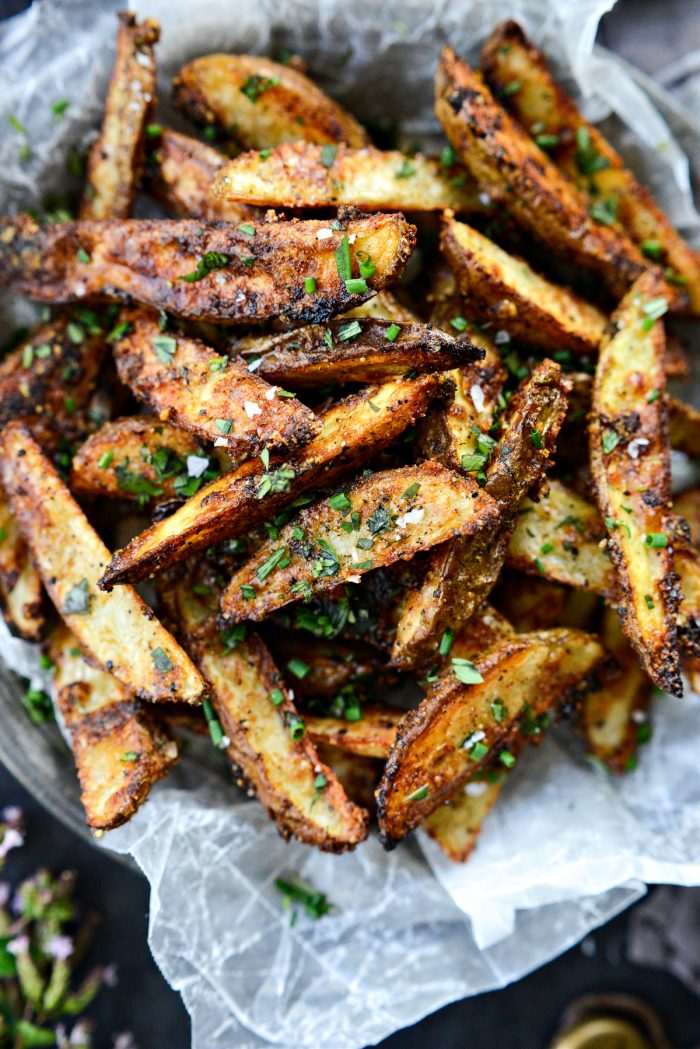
650, 33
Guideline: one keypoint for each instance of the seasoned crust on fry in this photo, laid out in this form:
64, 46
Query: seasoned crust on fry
371, 737
456, 825
504, 290
353, 430
255, 276
115, 160
261, 103
513, 170
303, 175
21, 592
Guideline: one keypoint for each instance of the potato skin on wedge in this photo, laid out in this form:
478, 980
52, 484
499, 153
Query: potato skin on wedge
120, 745
579, 149
245, 278
631, 468
514, 171
261, 103
456, 824
359, 351
115, 160
185, 382
532, 674
268, 745
370, 737
303, 175
504, 290
21, 592
381, 519
353, 430
118, 630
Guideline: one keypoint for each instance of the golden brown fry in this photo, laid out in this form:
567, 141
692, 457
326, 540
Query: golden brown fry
21, 594
504, 290
119, 630
268, 744
352, 351
49, 379
459, 728
202, 270
514, 171
614, 718
180, 172
357, 776
461, 574
261, 103
400, 512
582, 153
120, 745
116, 158
140, 458
370, 737
353, 431
303, 175
219, 400
631, 468
456, 825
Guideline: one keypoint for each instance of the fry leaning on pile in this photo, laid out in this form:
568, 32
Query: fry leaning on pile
402, 492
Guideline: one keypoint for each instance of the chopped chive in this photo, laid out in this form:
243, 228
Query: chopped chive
343, 262
340, 502
656, 540
356, 286
610, 441
349, 331
248, 230
459, 323
653, 396
277, 697
412, 490
105, 459
309, 285
536, 439
224, 425
298, 667
82, 256
418, 795
367, 267
507, 759
653, 249
392, 332
446, 642
649, 601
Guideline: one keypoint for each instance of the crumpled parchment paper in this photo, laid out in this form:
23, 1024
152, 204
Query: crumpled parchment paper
567, 847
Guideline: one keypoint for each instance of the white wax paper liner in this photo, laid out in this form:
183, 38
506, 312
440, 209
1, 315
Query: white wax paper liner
567, 847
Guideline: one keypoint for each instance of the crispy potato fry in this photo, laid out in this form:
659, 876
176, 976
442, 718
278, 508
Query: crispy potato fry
21, 594
261, 103
684, 427
631, 468
119, 630
142, 459
687, 506
304, 175
503, 289
514, 171
205, 271
120, 745
269, 745
353, 431
614, 719
49, 379
370, 737
353, 351
393, 514
187, 383
458, 727
456, 825
357, 776
116, 158
332, 664
581, 151
461, 574
180, 172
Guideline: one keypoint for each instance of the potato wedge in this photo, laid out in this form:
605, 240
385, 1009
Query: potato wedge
304, 175
582, 153
120, 745
268, 744
115, 161
371, 737
461, 574
456, 824
179, 173
385, 521
219, 400
261, 103
118, 630
514, 171
504, 290
353, 351
614, 718
631, 468
49, 379
331, 665
687, 506
353, 430
357, 776
684, 427
205, 271
142, 459
21, 593
459, 728
530, 603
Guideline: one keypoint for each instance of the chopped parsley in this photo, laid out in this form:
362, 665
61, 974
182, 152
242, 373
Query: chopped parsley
654, 309
588, 160
610, 441
328, 154
164, 346
254, 86
78, 599
379, 520
604, 210
407, 170
499, 711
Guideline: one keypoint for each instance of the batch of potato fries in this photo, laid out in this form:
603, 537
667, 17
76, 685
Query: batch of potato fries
460, 484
